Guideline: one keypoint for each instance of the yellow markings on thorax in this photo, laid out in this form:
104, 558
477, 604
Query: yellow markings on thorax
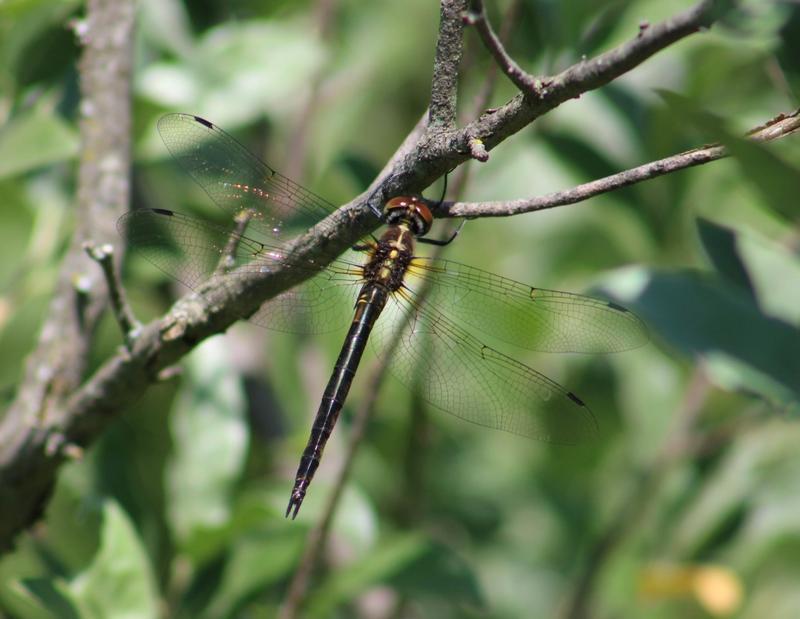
403, 243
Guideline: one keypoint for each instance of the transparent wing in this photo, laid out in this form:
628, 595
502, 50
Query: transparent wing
456, 372
191, 250
532, 318
235, 179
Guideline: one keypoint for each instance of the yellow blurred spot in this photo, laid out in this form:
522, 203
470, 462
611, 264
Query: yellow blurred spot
717, 589
5, 311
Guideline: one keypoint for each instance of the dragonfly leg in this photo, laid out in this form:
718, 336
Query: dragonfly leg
442, 242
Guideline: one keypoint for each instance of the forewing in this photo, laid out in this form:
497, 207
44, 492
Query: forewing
456, 372
190, 250
532, 318
235, 179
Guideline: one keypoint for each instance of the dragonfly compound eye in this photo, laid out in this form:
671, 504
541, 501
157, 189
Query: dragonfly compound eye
410, 209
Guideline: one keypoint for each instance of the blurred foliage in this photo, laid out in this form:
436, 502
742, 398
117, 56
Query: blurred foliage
695, 477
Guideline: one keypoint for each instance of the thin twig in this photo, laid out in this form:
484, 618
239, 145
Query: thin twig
104, 256
781, 126
227, 260
477, 18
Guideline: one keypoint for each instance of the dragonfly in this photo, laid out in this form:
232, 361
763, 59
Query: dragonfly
442, 352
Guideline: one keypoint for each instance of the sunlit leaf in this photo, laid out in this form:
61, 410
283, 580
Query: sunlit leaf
210, 443
34, 140
119, 582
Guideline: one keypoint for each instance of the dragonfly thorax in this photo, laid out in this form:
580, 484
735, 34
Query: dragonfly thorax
390, 257
410, 210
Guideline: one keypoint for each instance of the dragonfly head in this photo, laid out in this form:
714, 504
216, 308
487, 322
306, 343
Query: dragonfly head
411, 210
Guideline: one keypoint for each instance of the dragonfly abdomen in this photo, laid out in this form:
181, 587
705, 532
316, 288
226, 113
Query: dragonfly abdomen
371, 301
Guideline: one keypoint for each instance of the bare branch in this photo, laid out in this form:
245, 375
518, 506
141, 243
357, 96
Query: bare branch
227, 260
57, 365
587, 75
477, 17
590, 74
779, 127
496, 125
449, 48
478, 150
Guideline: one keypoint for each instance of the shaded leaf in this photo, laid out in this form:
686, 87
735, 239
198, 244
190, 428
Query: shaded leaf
39, 598
705, 317
720, 245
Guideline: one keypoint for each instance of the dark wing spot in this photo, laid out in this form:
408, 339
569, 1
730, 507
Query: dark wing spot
619, 308
163, 211
575, 399
204, 122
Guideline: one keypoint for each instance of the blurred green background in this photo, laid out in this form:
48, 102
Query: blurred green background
686, 504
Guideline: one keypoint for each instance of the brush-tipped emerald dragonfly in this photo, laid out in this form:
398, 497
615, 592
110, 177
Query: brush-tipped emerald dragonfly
440, 352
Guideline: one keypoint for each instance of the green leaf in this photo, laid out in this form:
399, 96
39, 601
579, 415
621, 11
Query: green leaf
210, 442
41, 598
753, 488
774, 270
119, 582
35, 140
256, 560
440, 573
413, 564
386, 560
705, 317
261, 64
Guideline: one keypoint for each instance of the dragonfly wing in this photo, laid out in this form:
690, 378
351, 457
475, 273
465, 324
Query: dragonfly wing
532, 318
235, 179
456, 372
190, 250
320, 304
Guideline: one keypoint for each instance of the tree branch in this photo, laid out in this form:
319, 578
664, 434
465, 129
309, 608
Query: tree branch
56, 367
477, 18
496, 125
53, 410
449, 48
780, 126
104, 256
